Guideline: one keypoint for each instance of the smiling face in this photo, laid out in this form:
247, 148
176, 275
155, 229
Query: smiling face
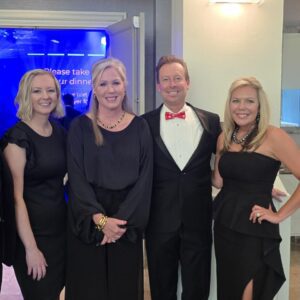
43, 95
173, 85
110, 89
244, 106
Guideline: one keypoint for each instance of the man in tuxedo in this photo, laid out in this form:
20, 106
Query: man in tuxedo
179, 228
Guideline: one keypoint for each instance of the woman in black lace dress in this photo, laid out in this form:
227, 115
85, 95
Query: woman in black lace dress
35, 152
246, 230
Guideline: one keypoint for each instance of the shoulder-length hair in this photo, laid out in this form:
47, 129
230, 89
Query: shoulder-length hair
262, 118
97, 70
23, 98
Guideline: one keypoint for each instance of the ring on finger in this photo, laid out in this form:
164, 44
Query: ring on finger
257, 215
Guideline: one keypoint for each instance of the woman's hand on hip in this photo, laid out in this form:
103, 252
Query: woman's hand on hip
260, 214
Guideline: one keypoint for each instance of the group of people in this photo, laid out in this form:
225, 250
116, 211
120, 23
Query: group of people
133, 177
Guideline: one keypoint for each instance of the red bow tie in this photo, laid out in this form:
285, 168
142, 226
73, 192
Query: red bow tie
180, 115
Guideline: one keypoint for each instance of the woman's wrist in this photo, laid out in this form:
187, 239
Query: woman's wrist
30, 247
96, 217
101, 222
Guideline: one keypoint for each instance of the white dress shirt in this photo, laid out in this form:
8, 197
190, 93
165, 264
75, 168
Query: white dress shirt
181, 136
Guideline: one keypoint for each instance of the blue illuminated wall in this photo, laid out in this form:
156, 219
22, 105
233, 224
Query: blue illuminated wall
67, 53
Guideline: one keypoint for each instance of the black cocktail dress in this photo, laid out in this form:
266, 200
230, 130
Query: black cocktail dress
246, 251
44, 198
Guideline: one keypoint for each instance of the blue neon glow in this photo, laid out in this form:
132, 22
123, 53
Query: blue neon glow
67, 53
75, 54
103, 41
95, 55
55, 54
35, 54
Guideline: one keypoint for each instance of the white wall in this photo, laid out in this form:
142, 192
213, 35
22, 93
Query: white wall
291, 61
220, 48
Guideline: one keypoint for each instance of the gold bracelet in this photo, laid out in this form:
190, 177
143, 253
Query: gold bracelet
101, 223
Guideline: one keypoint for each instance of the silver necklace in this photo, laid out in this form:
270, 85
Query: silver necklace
241, 140
113, 125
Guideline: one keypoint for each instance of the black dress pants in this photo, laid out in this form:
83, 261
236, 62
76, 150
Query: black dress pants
192, 249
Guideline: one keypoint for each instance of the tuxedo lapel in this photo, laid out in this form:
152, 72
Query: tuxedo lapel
155, 124
199, 147
204, 135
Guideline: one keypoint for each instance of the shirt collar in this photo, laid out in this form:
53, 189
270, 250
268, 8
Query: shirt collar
165, 108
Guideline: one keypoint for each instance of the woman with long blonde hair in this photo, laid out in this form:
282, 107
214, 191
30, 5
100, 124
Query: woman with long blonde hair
246, 230
110, 175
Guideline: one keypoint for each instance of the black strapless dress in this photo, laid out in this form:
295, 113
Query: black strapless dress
246, 251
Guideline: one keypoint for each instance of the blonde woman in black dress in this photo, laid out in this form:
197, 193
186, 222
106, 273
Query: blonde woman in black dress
110, 175
246, 230
35, 152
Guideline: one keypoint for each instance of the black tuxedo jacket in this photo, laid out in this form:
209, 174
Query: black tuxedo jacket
182, 197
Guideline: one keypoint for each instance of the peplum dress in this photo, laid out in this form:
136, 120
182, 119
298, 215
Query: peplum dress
246, 251
44, 198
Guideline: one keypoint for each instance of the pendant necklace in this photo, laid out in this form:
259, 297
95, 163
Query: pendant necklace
241, 140
113, 125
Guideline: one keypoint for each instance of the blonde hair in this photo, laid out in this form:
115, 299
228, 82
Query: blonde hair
97, 71
23, 98
262, 118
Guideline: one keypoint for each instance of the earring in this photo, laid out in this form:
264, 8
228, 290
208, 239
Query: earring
257, 118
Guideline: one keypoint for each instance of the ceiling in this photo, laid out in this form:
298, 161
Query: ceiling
291, 19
